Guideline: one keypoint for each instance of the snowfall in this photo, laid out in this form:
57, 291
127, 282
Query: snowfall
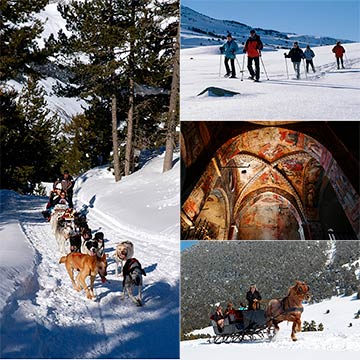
42, 316
327, 94
338, 340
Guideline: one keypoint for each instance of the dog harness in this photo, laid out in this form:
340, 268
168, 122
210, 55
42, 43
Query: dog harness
130, 266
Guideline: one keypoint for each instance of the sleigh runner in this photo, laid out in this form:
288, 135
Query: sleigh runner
256, 324
249, 324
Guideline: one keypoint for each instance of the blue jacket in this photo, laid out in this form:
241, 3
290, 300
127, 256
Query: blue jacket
309, 54
229, 49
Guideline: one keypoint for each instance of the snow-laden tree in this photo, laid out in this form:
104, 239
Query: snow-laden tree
116, 45
19, 30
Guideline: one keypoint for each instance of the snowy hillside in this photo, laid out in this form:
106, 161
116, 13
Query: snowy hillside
338, 339
331, 93
42, 316
201, 30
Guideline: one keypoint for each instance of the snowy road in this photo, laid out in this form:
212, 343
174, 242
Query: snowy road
47, 318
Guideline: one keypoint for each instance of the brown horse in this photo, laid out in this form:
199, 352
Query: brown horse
289, 308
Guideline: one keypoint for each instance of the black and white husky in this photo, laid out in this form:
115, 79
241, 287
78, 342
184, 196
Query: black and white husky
94, 246
133, 273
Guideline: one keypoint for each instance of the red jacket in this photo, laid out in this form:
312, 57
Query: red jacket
338, 50
253, 46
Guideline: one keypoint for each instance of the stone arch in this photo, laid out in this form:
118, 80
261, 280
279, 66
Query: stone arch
293, 143
215, 213
277, 220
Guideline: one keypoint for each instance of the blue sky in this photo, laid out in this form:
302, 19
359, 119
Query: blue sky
337, 19
184, 244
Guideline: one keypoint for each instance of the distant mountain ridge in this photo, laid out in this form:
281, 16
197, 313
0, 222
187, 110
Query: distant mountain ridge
201, 30
221, 271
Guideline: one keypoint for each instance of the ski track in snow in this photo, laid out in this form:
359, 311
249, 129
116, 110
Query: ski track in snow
278, 96
63, 323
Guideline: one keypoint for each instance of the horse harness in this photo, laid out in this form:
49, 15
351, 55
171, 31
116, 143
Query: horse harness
285, 311
292, 309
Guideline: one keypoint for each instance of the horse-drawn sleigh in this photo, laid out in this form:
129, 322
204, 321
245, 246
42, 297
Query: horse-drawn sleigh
257, 324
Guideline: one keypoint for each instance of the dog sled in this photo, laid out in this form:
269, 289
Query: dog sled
248, 325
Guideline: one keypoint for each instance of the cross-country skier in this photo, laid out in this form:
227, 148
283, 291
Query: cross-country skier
229, 49
253, 47
309, 55
339, 52
296, 55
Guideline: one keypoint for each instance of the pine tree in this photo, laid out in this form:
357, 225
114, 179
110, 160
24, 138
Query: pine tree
11, 130
19, 30
29, 138
124, 43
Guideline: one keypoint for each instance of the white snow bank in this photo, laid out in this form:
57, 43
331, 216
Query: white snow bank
17, 257
147, 200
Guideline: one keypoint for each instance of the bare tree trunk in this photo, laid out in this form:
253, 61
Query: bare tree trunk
115, 138
174, 96
130, 119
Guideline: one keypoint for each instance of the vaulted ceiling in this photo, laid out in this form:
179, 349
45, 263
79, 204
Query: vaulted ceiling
269, 172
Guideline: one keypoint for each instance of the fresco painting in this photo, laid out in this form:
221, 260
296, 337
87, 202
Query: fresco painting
283, 162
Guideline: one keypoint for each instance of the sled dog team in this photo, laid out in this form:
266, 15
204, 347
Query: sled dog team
86, 254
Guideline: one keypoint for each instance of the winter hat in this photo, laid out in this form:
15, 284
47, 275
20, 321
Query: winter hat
66, 171
252, 31
58, 186
228, 34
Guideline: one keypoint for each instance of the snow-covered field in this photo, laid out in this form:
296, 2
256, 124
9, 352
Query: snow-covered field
329, 94
337, 340
42, 316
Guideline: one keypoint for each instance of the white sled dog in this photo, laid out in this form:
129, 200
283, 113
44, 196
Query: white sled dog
57, 213
123, 252
63, 232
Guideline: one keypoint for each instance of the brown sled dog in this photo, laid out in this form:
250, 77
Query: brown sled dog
87, 266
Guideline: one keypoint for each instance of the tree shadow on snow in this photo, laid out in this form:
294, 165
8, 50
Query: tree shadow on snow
138, 333
23, 208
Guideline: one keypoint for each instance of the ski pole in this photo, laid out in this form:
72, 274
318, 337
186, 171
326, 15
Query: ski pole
287, 70
237, 61
220, 65
264, 67
304, 69
243, 66
347, 61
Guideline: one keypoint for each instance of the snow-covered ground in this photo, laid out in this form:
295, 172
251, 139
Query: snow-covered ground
329, 94
337, 340
42, 316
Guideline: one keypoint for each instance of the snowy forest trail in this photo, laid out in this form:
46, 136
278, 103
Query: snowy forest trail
49, 319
